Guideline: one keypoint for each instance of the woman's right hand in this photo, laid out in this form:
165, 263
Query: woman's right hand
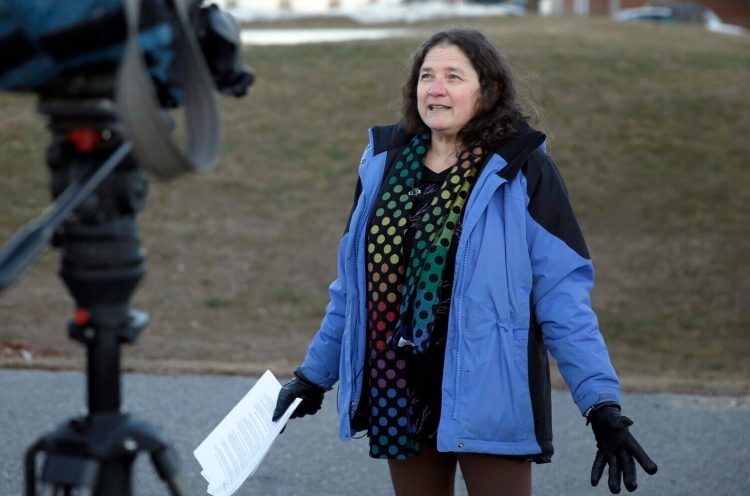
299, 387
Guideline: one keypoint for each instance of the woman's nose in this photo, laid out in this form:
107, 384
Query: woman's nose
437, 87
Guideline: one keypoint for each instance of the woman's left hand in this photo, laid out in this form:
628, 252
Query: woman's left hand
617, 448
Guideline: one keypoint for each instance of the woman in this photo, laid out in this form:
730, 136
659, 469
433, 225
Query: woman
462, 264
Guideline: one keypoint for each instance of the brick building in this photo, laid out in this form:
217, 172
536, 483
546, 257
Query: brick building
730, 11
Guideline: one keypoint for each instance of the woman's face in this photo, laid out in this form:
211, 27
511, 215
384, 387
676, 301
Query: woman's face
448, 90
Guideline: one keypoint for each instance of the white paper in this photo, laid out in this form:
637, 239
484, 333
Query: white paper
234, 450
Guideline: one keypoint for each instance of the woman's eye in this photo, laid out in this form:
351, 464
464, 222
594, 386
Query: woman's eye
424, 77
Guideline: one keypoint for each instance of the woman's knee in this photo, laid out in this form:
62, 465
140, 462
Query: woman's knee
490, 475
431, 472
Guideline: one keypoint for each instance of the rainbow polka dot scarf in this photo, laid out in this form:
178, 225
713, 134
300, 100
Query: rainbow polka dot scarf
403, 292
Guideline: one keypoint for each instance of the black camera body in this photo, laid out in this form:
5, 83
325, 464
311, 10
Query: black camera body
42, 40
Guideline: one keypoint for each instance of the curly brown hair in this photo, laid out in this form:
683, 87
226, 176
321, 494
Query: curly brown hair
499, 111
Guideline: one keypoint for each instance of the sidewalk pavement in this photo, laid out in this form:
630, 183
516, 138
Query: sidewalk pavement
701, 444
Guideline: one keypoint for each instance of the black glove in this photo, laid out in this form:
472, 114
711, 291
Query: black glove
616, 447
299, 387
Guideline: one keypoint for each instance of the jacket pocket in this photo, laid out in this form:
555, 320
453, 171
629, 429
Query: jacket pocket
494, 396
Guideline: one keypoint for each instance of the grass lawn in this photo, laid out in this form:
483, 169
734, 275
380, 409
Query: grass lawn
648, 125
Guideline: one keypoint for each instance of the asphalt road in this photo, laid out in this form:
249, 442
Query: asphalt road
702, 444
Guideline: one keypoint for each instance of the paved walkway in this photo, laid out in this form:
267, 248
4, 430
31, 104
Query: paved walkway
702, 444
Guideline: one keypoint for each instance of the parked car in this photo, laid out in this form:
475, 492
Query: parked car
690, 13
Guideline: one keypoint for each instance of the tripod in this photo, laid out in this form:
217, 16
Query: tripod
98, 190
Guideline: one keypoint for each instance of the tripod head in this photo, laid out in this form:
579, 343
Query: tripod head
101, 260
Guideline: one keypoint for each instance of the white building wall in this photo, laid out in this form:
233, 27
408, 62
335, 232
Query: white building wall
581, 7
550, 7
248, 4
297, 6
309, 6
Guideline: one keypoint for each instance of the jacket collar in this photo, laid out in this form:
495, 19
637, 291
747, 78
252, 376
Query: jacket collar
386, 138
514, 150
517, 148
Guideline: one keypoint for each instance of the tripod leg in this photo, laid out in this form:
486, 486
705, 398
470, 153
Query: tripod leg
30, 463
163, 460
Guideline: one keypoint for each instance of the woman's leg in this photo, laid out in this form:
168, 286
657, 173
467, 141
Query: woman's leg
488, 475
428, 473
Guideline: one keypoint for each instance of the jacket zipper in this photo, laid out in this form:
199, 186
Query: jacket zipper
355, 320
459, 320
356, 306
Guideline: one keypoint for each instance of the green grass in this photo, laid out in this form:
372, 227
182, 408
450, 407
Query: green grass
647, 123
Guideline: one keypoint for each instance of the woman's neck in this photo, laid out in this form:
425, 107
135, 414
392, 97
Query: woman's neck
442, 154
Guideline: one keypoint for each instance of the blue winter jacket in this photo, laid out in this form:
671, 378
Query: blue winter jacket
521, 287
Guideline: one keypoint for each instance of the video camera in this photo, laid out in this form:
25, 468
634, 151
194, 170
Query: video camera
170, 53
106, 71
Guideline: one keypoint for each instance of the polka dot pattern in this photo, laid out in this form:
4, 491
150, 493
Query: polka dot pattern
423, 275
403, 288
